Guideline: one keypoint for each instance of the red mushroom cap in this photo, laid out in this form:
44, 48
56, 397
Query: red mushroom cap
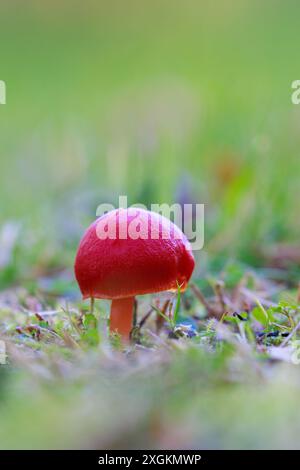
113, 264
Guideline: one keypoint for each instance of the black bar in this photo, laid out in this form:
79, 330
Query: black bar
136, 458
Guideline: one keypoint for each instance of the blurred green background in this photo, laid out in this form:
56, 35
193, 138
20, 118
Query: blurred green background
162, 101
157, 100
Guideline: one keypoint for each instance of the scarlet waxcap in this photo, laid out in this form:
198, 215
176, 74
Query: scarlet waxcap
129, 252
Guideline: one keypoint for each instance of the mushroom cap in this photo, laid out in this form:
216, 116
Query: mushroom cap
129, 252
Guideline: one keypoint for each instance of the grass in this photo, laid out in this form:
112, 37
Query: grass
223, 376
163, 103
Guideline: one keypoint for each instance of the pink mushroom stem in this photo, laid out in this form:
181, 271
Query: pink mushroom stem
121, 317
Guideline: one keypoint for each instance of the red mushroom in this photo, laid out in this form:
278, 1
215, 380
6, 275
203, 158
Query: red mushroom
129, 252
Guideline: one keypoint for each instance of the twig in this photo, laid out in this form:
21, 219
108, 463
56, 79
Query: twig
285, 342
210, 310
218, 287
134, 322
145, 318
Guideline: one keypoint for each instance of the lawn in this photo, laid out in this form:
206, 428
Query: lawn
162, 101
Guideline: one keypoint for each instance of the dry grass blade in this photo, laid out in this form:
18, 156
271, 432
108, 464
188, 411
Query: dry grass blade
210, 310
287, 339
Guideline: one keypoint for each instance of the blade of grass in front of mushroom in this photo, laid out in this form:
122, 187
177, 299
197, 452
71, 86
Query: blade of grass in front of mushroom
177, 305
165, 317
172, 320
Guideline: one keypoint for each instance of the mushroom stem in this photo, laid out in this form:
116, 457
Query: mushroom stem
121, 316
